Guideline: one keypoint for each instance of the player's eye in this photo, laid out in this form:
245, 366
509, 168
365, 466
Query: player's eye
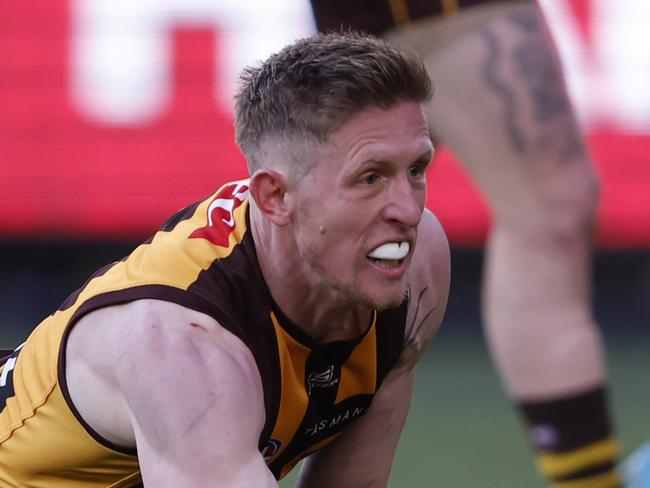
417, 170
370, 178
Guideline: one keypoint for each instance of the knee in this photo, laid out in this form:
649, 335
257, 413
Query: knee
568, 204
560, 209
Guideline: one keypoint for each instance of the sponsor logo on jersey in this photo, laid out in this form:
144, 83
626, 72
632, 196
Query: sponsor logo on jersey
324, 379
333, 422
221, 214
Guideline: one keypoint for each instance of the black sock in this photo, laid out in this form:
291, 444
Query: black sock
573, 437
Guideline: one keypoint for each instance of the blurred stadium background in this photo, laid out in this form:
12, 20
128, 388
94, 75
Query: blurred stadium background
115, 114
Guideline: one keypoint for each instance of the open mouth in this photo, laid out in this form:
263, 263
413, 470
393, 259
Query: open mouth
390, 254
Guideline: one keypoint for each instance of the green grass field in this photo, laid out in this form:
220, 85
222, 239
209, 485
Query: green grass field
463, 433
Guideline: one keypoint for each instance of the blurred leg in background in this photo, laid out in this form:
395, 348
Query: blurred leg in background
501, 105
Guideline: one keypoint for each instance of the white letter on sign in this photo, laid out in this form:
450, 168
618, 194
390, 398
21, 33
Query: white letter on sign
121, 54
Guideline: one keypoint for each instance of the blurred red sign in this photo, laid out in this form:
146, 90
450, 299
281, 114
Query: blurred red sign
111, 120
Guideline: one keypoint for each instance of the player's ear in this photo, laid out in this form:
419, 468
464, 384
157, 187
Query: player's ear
269, 190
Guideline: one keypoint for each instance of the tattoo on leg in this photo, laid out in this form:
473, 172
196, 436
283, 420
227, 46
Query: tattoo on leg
537, 66
533, 62
502, 90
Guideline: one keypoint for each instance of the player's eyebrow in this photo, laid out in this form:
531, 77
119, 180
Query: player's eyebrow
424, 158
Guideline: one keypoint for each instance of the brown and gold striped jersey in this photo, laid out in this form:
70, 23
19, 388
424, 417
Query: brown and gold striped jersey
203, 258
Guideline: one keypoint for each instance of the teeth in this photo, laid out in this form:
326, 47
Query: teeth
391, 251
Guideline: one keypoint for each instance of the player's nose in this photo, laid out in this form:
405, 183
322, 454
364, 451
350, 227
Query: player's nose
404, 202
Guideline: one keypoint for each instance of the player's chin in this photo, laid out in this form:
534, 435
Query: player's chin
388, 297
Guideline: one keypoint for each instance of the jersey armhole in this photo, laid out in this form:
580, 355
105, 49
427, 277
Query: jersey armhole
156, 292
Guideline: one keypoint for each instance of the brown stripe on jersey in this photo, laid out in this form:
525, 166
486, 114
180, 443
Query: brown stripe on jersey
293, 398
359, 372
72, 298
133, 481
390, 336
183, 214
4, 355
290, 465
235, 282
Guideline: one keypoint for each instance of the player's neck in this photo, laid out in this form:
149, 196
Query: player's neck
322, 321
318, 310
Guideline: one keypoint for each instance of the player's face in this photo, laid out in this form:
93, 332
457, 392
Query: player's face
360, 206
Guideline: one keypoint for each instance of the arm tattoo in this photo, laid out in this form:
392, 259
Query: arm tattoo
413, 329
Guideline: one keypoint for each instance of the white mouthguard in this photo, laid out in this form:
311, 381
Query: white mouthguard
391, 250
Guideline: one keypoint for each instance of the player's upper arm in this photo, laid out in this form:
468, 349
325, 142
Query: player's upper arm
195, 400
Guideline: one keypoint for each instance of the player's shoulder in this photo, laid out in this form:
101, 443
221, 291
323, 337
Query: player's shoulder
159, 364
431, 233
148, 342
180, 346
156, 332
166, 333
429, 277
431, 258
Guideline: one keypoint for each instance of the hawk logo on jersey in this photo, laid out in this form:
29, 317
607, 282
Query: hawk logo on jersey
271, 448
221, 214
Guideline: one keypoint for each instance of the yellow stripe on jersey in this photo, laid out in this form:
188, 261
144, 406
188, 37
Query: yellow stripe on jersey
556, 465
293, 400
359, 373
400, 11
32, 423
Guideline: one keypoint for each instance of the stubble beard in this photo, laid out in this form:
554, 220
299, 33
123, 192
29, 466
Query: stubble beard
350, 292
353, 294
